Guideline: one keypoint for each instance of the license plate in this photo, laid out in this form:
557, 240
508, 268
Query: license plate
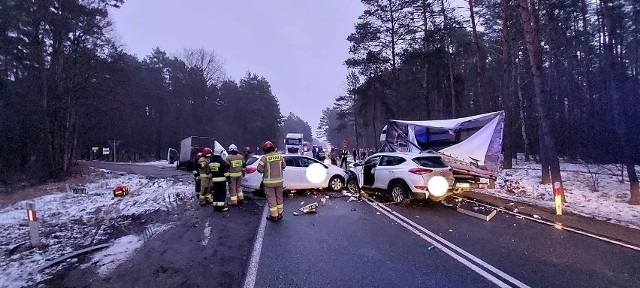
463, 185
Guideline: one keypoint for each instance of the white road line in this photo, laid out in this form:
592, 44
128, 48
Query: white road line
252, 270
446, 249
558, 225
207, 234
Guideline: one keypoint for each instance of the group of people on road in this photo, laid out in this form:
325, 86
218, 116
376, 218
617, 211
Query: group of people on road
213, 173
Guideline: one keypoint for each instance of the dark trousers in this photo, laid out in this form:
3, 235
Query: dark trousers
343, 161
219, 195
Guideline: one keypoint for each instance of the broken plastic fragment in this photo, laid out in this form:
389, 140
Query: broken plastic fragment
311, 208
431, 247
295, 213
536, 216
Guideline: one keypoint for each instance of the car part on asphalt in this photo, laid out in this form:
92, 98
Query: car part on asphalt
311, 208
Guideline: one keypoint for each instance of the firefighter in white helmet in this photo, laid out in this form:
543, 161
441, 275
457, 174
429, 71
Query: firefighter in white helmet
236, 164
218, 168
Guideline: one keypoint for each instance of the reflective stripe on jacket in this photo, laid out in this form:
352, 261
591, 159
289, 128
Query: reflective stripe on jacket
235, 163
218, 169
272, 168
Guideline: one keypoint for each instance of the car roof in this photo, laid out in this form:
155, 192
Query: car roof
407, 154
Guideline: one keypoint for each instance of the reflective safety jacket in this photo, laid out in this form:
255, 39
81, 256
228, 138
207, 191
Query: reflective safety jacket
218, 169
203, 167
344, 153
235, 163
272, 168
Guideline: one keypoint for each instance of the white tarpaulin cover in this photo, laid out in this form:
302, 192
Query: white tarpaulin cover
452, 124
474, 140
475, 147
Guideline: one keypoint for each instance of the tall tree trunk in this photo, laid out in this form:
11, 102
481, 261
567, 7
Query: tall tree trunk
521, 107
447, 46
547, 144
425, 48
479, 60
394, 63
507, 87
613, 73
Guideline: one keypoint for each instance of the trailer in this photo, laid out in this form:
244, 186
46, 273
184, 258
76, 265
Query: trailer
472, 145
189, 147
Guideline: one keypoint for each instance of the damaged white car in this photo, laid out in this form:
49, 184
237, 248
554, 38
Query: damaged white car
403, 176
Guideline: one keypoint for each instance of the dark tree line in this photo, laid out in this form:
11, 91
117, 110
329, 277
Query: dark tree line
565, 71
65, 87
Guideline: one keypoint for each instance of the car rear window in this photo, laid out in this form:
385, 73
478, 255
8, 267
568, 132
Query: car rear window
251, 160
430, 162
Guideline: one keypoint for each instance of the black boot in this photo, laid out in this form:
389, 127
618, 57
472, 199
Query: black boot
271, 218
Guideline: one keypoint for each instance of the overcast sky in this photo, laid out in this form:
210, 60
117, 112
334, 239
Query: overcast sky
298, 45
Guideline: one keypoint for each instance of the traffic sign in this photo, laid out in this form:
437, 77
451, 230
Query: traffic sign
113, 143
94, 149
105, 151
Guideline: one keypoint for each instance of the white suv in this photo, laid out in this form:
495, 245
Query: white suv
402, 176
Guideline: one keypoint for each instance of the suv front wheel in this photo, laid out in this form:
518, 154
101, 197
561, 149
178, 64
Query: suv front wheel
399, 194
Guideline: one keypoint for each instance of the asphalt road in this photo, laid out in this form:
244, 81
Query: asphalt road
359, 244
339, 247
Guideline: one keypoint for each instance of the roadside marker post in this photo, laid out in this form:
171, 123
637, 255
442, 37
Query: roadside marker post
32, 217
557, 193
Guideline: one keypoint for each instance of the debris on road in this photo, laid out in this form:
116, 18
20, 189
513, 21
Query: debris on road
536, 216
121, 191
475, 210
295, 213
431, 247
311, 208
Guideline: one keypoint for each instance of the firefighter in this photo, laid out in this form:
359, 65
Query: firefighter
236, 164
333, 156
247, 153
272, 167
205, 178
218, 169
196, 174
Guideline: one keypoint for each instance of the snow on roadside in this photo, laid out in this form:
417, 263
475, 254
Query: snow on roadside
608, 203
160, 163
69, 222
122, 248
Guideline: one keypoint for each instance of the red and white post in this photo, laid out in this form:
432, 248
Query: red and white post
32, 217
557, 193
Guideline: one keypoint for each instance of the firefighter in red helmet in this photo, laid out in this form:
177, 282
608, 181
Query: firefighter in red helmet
272, 168
205, 177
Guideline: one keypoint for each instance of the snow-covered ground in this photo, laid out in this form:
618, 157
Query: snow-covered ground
70, 222
591, 190
160, 163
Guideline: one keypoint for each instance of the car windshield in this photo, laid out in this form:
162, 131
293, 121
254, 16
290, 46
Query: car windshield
430, 162
293, 141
